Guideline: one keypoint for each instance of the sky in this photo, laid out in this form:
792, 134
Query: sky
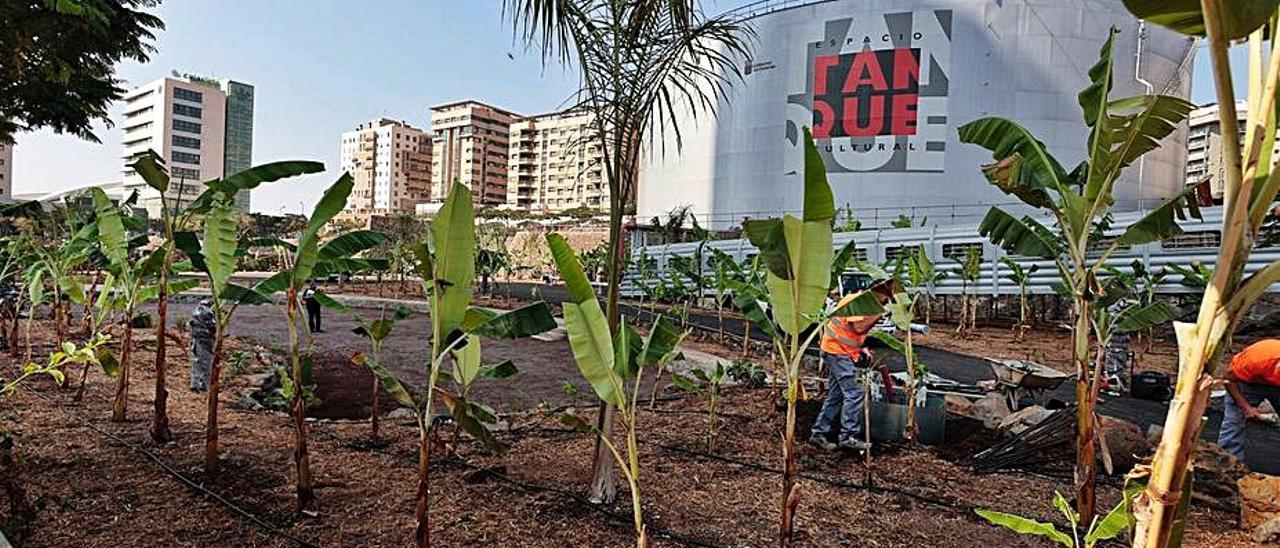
322, 67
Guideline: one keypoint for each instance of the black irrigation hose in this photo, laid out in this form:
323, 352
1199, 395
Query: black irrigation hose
583, 501
155, 459
963, 508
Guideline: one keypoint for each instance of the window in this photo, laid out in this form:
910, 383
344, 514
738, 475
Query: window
1207, 238
185, 173
186, 142
957, 251
185, 158
188, 95
186, 110
183, 125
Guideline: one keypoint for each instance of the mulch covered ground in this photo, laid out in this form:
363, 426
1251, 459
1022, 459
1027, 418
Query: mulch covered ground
94, 491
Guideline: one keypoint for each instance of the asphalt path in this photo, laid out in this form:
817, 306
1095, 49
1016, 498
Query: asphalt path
1262, 445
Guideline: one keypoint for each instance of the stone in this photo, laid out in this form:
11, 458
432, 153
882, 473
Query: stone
1019, 421
959, 405
990, 410
1125, 443
1217, 474
1260, 504
1267, 534
400, 413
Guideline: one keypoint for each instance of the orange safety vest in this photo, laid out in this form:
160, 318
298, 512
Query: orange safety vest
1258, 363
839, 336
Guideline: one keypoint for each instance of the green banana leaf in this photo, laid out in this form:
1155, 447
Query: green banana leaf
819, 206
1117, 521
111, 231
152, 173
797, 301
593, 350
466, 361
1240, 17
453, 235
1136, 318
526, 321
334, 199
570, 268
1027, 526
189, 244
219, 249
1162, 222
769, 237
471, 417
225, 189
1025, 236
351, 243
389, 382
1028, 172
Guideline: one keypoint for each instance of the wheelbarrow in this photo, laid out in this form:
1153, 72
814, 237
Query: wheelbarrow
1020, 379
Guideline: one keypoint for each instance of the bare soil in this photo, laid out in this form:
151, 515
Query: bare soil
93, 491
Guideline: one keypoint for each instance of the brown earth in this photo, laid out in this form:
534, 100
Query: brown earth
97, 492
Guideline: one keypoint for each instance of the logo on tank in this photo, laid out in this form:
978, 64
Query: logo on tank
876, 92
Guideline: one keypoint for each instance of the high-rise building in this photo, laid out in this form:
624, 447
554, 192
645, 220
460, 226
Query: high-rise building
390, 163
6, 172
193, 124
469, 145
556, 164
1204, 147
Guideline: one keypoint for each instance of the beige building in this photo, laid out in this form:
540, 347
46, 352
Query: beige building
1204, 146
390, 163
6, 172
470, 145
556, 164
194, 126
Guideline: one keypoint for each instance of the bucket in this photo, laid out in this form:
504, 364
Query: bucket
889, 420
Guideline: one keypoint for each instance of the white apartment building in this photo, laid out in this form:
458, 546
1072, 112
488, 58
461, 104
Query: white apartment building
556, 164
199, 131
470, 145
6, 172
390, 163
1204, 146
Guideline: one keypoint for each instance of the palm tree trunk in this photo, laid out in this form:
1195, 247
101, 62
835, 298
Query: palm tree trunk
422, 532
603, 487
211, 415
119, 408
160, 417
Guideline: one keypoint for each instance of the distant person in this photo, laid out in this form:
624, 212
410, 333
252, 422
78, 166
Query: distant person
202, 327
313, 307
843, 355
1254, 377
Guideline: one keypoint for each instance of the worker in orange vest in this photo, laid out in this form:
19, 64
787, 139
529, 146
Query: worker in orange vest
843, 354
1254, 376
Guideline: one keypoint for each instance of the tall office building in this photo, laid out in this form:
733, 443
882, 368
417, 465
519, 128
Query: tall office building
6, 172
556, 164
470, 142
390, 163
1204, 147
202, 128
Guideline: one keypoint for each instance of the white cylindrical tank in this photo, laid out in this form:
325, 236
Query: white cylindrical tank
885, 84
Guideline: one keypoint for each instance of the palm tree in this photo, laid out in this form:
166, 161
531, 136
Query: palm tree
644, 66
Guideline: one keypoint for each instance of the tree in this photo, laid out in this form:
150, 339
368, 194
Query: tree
59, 61
799, 255
446, 265
1120, 131
1021, 276
608, 363
1250, 187
377, 331
218, 254
970, 269
644, 67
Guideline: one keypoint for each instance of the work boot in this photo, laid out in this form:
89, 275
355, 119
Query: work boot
853, 444
821, 442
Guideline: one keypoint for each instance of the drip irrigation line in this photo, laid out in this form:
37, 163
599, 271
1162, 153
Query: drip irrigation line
573, 497
963, 508
262, 524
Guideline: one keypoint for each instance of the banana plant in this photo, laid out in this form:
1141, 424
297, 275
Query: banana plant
177, 213
902, 308
1021, 276
1115, 523
608, 363
969, 269
712, 384
1250, 187
798, 254
446, 263
1120, 132
377, 331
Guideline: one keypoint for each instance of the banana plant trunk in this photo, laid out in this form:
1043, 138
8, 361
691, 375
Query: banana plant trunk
211, 415
160, 416
912, 429
1086, 467
119, 408
377, 387
422, 531
790, 498
301, 459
